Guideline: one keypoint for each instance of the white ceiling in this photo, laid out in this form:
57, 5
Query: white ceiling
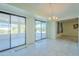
63, 11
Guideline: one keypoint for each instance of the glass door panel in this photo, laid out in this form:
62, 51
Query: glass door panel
22, 30
4, 31
38, 30
17, 31
43, 30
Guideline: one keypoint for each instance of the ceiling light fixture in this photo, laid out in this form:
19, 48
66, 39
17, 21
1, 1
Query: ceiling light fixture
52, 17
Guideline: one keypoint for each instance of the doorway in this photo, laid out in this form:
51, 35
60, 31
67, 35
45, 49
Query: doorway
68, 29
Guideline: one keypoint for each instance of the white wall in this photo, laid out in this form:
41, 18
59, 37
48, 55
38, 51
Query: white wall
30, 28
78, 31
51, 29
48, 30
68, 28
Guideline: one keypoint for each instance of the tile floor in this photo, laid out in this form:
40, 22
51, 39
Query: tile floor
45, 47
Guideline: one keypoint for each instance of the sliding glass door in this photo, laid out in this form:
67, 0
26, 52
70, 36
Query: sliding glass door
40, 30
17, 31
12, 31
4, 31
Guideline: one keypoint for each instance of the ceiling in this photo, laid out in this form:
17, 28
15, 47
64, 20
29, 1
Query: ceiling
61, 10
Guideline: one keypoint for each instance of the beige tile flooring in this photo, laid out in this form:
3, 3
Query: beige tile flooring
46, 47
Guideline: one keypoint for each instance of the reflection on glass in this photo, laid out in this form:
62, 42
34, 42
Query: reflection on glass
38, 30
22, 28
14, 28
43, 30
17, 31
11, 34
4, 31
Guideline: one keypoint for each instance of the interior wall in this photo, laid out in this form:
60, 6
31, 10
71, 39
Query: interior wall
78, 32
48, 30
30, 30
69, 32
51, 29
68, 28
